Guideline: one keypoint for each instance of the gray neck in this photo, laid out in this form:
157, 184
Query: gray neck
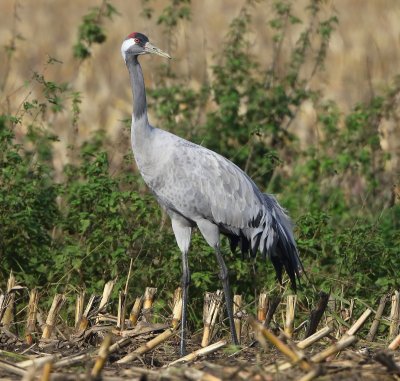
138, 88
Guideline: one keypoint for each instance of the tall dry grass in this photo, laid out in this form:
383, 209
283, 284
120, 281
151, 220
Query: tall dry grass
362, 60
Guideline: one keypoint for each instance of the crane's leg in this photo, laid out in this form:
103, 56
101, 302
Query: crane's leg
182, 234
185, 289
223, 275
211, 234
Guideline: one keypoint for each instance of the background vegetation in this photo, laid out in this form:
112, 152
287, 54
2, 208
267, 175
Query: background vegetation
74, 210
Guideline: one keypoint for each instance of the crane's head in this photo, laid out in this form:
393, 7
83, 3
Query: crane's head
136, 44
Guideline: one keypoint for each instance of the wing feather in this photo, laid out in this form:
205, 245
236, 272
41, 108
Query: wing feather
233, 198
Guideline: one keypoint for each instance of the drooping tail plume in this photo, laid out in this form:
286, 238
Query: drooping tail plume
282, 249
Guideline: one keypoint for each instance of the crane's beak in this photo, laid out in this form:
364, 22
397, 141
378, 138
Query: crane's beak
150, 48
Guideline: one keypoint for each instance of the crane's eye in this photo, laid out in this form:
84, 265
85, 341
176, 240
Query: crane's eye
137, 41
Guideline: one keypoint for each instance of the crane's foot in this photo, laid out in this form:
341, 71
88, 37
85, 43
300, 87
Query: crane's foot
235, 340
182, 347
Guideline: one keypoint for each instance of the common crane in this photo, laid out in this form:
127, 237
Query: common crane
198, 187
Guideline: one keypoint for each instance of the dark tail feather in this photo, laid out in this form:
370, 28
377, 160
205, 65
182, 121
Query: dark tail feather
241, 241
286, 259
282, 251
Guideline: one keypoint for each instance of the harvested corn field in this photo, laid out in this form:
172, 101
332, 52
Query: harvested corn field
329, 344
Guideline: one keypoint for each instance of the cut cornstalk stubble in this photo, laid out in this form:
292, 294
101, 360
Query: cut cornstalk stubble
108, 287
395, 343
101, 357
130, 334
74, 359
212, 306
38, 362
314, 337
200, 352
359, 323
9, 298
135, 312
148, 303
150, 345
177, 308
80, 302
51, 320
394, 315
46, 372
31, 319
237, 313
262, 307
290, 311
121, 311
377, 318
9, 367
84, 320
343, 343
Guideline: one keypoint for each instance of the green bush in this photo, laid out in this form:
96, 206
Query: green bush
86, 228
28, 207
